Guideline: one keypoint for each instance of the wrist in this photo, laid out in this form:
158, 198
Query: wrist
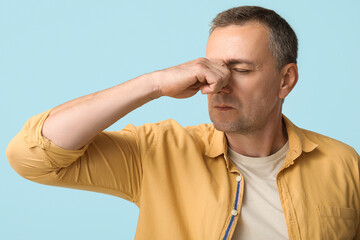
151, 80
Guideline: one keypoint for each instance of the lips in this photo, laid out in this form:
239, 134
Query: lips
223, 107
223, 102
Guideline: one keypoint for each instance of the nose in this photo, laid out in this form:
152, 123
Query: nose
227, 89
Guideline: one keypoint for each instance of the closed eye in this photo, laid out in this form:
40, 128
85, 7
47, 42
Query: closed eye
240, 70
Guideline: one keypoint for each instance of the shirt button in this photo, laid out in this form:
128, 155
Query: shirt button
238, 178
234, 212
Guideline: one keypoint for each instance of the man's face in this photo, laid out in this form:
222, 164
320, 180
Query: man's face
253, 89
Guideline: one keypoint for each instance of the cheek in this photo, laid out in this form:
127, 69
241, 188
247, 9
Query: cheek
258, 92
209, 101
269, 96
248, 88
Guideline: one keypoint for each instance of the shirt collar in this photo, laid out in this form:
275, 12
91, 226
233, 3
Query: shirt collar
298, 143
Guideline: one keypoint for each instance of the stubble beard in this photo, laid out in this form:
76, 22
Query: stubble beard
240, 125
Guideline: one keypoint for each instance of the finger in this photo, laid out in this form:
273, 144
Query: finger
214, 82
205, 89
221, 69
211, 73
196, 86
218, 64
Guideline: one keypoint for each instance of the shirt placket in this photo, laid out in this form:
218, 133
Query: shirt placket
235, 211
288, 209
231, 221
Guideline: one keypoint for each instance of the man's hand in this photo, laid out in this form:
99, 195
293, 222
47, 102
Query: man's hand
185, 80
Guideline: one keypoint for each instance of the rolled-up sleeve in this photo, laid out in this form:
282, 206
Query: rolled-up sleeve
110, 164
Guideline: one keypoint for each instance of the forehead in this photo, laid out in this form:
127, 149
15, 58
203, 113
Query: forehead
248, 41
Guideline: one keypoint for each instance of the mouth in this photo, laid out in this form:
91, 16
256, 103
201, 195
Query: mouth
223, 108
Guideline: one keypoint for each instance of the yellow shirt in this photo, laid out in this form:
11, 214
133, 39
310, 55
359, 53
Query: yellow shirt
186, 187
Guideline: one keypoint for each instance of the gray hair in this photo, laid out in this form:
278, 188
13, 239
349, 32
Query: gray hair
283, 42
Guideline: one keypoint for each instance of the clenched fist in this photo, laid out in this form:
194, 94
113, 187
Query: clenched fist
185, 80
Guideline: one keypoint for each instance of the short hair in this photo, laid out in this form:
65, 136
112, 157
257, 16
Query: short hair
283, 42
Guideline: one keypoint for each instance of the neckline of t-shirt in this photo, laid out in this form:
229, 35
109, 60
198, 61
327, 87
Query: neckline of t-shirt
246, 159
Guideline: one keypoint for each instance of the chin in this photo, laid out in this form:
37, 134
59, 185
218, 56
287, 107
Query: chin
225, 126
240, 126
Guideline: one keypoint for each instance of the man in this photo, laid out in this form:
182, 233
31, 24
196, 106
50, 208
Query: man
252, 174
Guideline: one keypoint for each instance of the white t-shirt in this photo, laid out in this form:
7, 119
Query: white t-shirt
261, 216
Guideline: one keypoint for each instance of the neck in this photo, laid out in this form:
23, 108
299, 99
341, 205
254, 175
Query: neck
262, 142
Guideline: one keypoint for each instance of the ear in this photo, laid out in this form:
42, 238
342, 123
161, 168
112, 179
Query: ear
289, 77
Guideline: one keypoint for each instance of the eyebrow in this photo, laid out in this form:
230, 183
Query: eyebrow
242, 61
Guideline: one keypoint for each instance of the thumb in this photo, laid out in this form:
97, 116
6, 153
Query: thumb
206, 89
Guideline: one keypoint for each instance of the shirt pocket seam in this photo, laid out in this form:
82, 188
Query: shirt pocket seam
336, 222
335, 211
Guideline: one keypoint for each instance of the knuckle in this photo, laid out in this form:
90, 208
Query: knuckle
201, 59
200, 77
198, 61
199, 66
218, 78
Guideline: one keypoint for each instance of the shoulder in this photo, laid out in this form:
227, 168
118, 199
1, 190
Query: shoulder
330, 146
325, 145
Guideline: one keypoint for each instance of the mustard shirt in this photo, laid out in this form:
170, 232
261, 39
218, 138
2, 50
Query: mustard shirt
186, 187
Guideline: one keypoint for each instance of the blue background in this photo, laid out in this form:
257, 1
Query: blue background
55, 51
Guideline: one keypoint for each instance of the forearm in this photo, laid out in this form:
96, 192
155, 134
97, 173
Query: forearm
75, 123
